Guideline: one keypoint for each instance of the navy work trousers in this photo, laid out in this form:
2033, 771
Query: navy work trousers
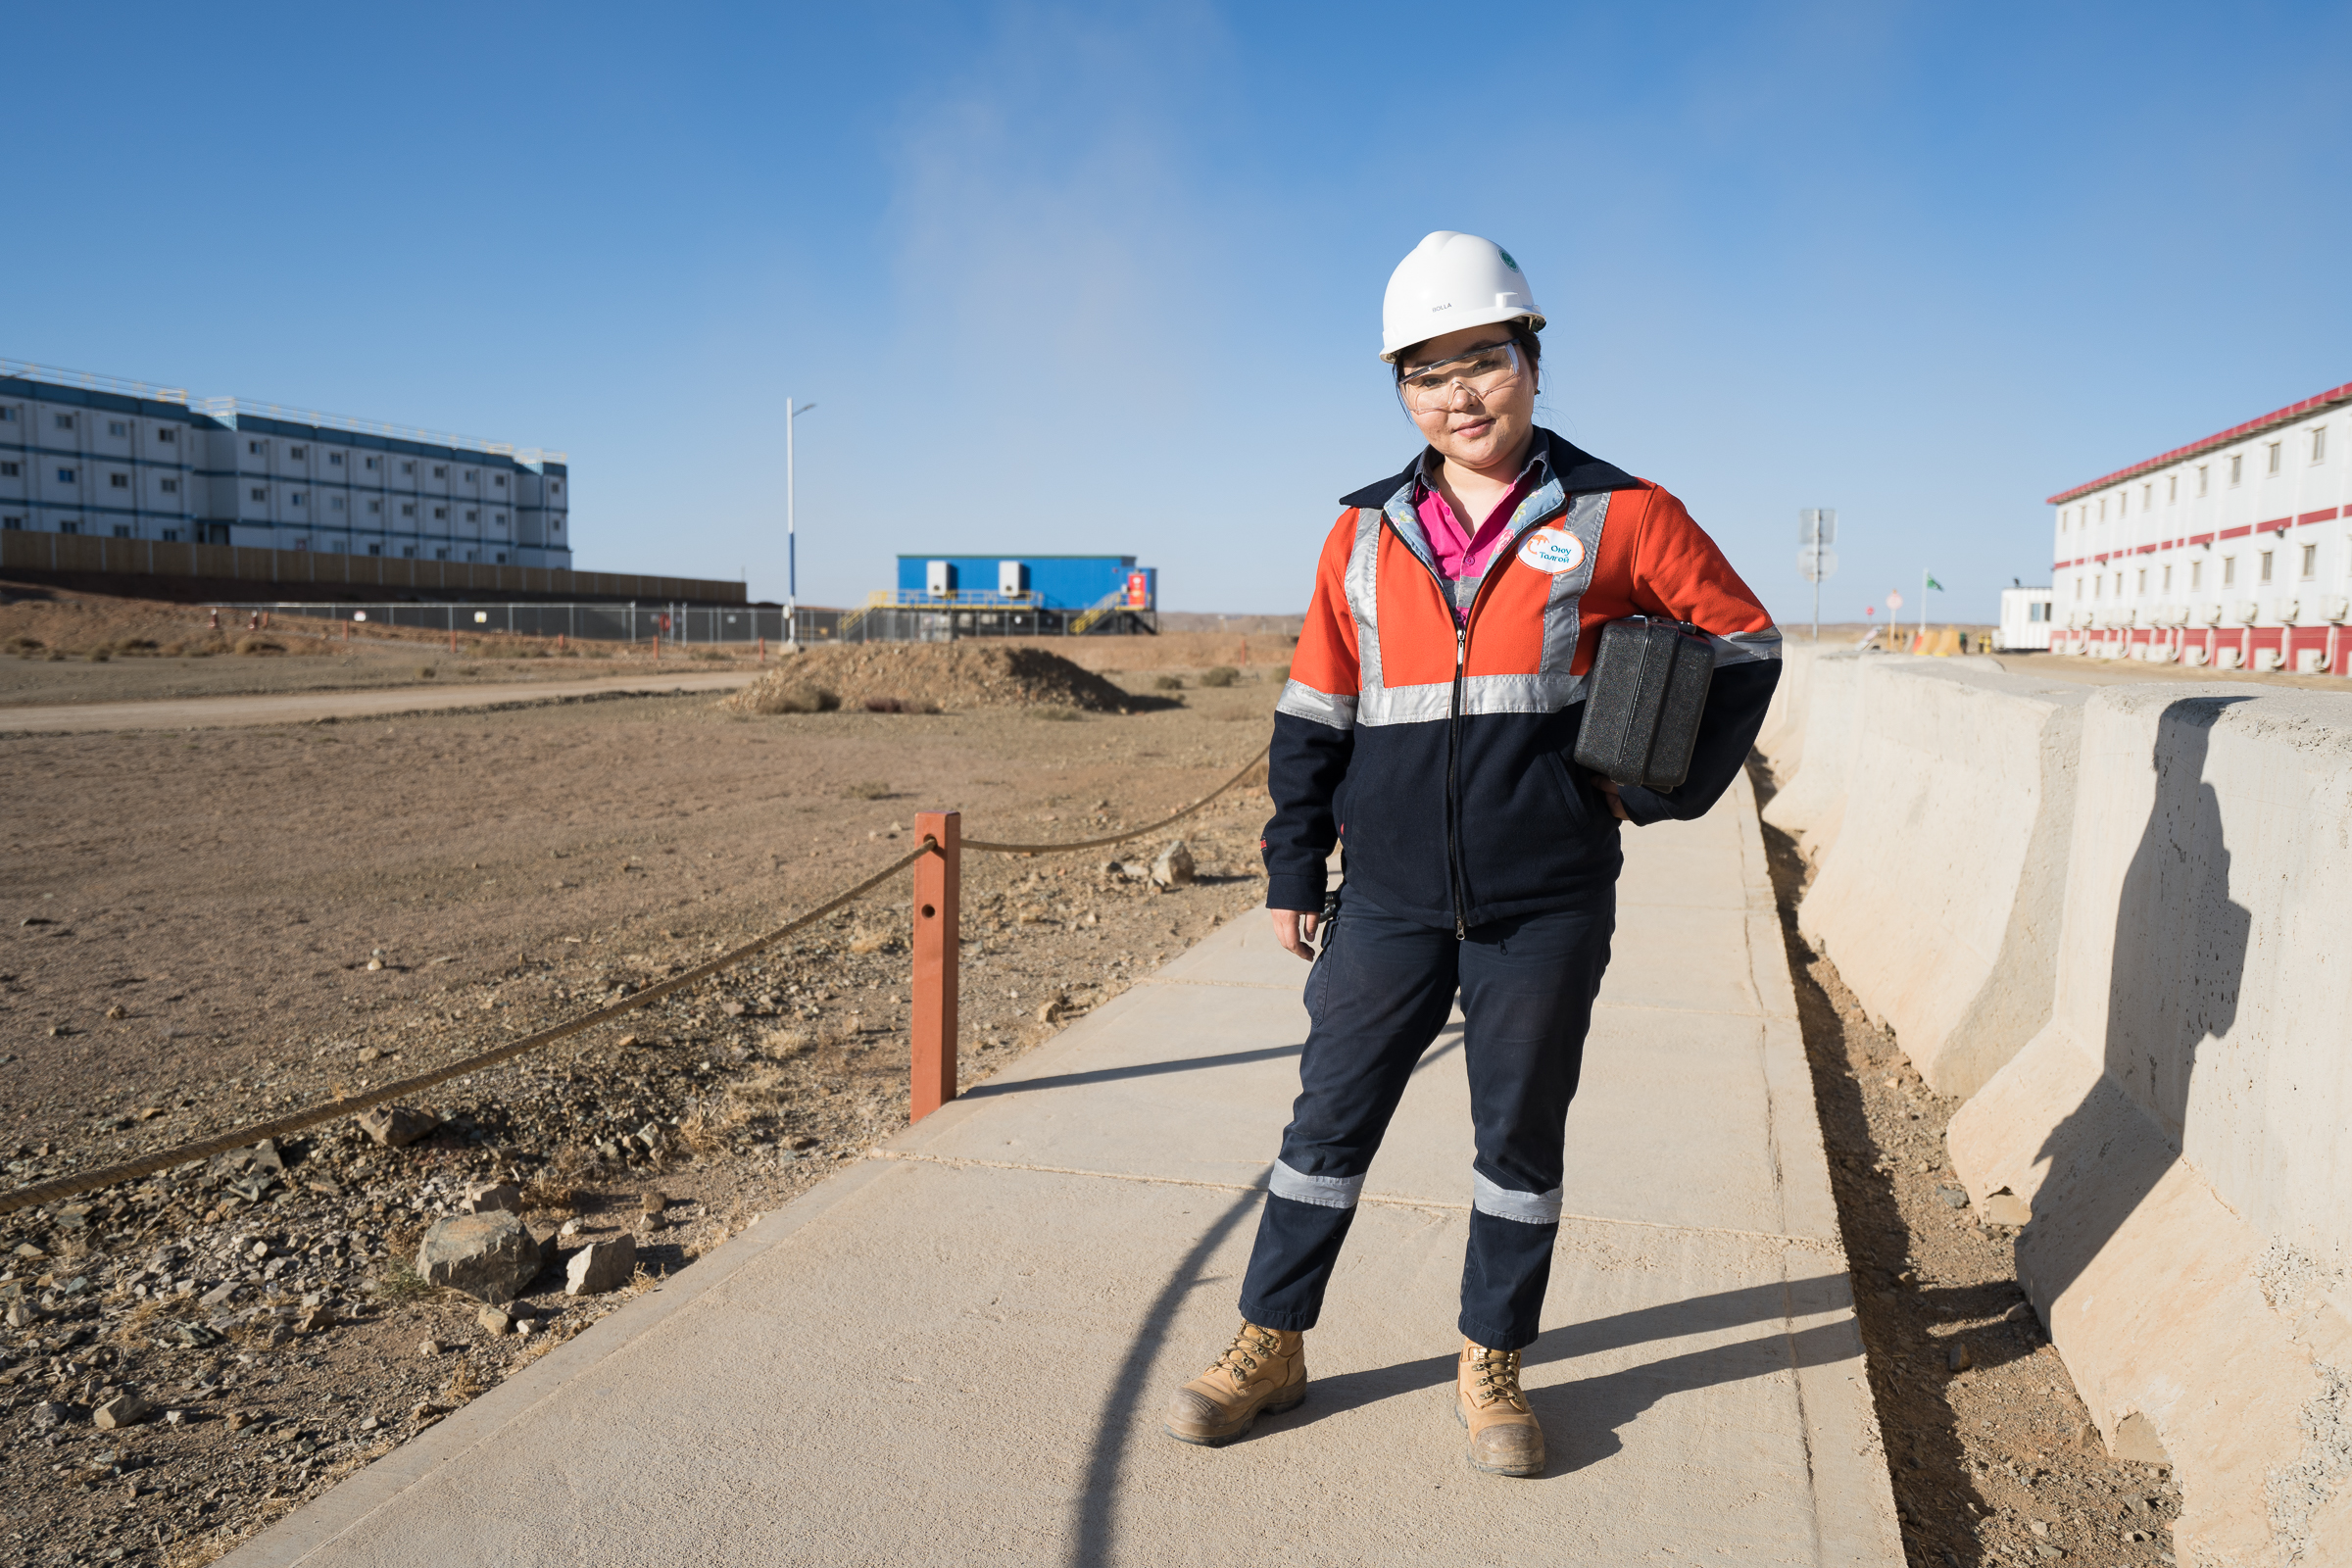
1376, 999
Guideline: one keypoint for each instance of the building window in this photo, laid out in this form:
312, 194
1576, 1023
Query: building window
473, 556
502, 557
117, 481
334, 503
2168, 579
9, 416
472, 515
470, 476
65, 421
11, 471
2172, 489
441, 554
2311, 562
2147, 495
170, 487
170, 536
407, 468
302, 544
408, 552
2142, 586
334, 459
556, 488
297, 453
370, 463
297, 498
2204, 479
2274, 446
2266, 565
441, 513
69, 525
2196, 576
167, 434
2098, 586
408, 508
122, 530
376, 507
440, 471
2319, 444
117, 428
500, 481
253, 449
2237, 466
375, 550
2228, 572
555, 526
64, 476
260, 493
2119, 585
499, 518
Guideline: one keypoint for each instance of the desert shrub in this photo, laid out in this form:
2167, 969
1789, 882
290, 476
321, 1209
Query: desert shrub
790, 698
259, 645
100, 654
22, 644
1168, 683
866, 790
1220, 675
426, 673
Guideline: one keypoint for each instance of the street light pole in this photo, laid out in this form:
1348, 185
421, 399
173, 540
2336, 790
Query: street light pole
792, 541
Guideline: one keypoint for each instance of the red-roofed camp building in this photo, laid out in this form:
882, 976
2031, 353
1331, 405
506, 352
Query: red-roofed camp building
2233, 552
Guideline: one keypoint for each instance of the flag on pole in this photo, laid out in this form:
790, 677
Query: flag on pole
1933, 583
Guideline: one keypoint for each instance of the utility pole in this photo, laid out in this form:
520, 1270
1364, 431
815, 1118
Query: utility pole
1816, 531
792, 541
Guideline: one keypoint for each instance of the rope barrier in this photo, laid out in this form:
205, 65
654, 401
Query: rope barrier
1247, 768
90, 1181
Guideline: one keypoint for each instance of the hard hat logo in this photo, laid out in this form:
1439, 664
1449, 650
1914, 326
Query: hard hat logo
1452, 280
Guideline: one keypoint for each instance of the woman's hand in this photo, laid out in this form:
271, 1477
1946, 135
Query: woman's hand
1608, 787
1295, 929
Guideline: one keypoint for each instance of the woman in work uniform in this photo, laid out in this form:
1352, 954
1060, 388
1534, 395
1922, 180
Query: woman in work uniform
1431, 713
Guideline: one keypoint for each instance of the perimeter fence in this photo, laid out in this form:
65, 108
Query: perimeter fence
937, 859
591, 622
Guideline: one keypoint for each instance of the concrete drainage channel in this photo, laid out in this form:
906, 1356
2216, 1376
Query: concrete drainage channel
1994, 1456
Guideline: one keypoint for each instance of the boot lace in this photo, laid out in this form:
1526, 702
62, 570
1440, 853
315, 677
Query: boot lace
1241, 1359
1498, 1378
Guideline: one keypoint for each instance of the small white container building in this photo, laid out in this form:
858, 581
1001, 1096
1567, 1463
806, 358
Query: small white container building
2233, 552
2025, 620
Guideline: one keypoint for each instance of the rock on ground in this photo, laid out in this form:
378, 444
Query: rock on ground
487, 1256
601, 1267
394, 1126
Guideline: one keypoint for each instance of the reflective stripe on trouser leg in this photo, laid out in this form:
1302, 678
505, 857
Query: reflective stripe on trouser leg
1528, 1208
1324, 1191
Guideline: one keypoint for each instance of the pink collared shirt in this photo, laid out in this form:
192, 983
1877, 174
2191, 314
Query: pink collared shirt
1461, 554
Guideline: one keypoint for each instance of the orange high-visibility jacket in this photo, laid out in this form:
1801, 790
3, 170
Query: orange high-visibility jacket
1438, 748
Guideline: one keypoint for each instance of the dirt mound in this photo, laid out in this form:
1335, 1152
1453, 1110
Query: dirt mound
927, 677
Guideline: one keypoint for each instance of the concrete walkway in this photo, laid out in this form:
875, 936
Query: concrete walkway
301, 708
956, 1351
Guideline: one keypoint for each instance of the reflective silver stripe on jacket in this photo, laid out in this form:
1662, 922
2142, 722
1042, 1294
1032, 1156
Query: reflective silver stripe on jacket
1324, 1191
1363, 597
1302, 700
1563, 613
1744, 646
1528, 1208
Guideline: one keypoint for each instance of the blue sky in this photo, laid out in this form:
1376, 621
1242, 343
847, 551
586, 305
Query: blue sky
1109, 280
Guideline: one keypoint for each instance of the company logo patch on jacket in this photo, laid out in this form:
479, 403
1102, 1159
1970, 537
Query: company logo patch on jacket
1553, 549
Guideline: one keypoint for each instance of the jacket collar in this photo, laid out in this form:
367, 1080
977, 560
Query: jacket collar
1574, 471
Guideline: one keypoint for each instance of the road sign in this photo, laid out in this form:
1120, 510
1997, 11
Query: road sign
1894, 600
1817, 563
1817, 526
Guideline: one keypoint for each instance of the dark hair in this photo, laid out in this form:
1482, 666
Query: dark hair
1522, 334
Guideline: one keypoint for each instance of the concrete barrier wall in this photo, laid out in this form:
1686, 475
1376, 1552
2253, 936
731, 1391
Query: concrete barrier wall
1938, 898
1810, 806
1782, 740
2177, 1134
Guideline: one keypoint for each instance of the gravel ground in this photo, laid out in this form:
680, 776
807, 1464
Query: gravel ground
1994, 1458
165, 973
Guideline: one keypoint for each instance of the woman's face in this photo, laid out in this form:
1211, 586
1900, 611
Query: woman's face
1478, 432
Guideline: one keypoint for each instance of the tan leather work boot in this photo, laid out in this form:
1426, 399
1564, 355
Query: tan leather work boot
1262, 1370
1506, 1438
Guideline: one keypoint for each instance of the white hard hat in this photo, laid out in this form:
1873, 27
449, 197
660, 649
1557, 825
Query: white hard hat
1448, 282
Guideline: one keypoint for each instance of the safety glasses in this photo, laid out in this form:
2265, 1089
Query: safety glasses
1481, 372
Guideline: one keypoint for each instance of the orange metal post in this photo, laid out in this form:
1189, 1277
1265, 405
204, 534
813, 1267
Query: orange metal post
938, 928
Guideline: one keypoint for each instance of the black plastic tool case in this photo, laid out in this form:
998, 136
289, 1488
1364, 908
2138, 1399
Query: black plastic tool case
1642, 702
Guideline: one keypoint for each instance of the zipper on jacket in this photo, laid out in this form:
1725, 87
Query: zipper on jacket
1453, 728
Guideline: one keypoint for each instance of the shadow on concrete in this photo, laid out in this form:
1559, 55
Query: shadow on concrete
1581, 1419
1141, 1069
2178, 959
1115, 1427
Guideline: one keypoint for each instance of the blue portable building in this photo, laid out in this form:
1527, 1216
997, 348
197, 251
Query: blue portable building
1046, 582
